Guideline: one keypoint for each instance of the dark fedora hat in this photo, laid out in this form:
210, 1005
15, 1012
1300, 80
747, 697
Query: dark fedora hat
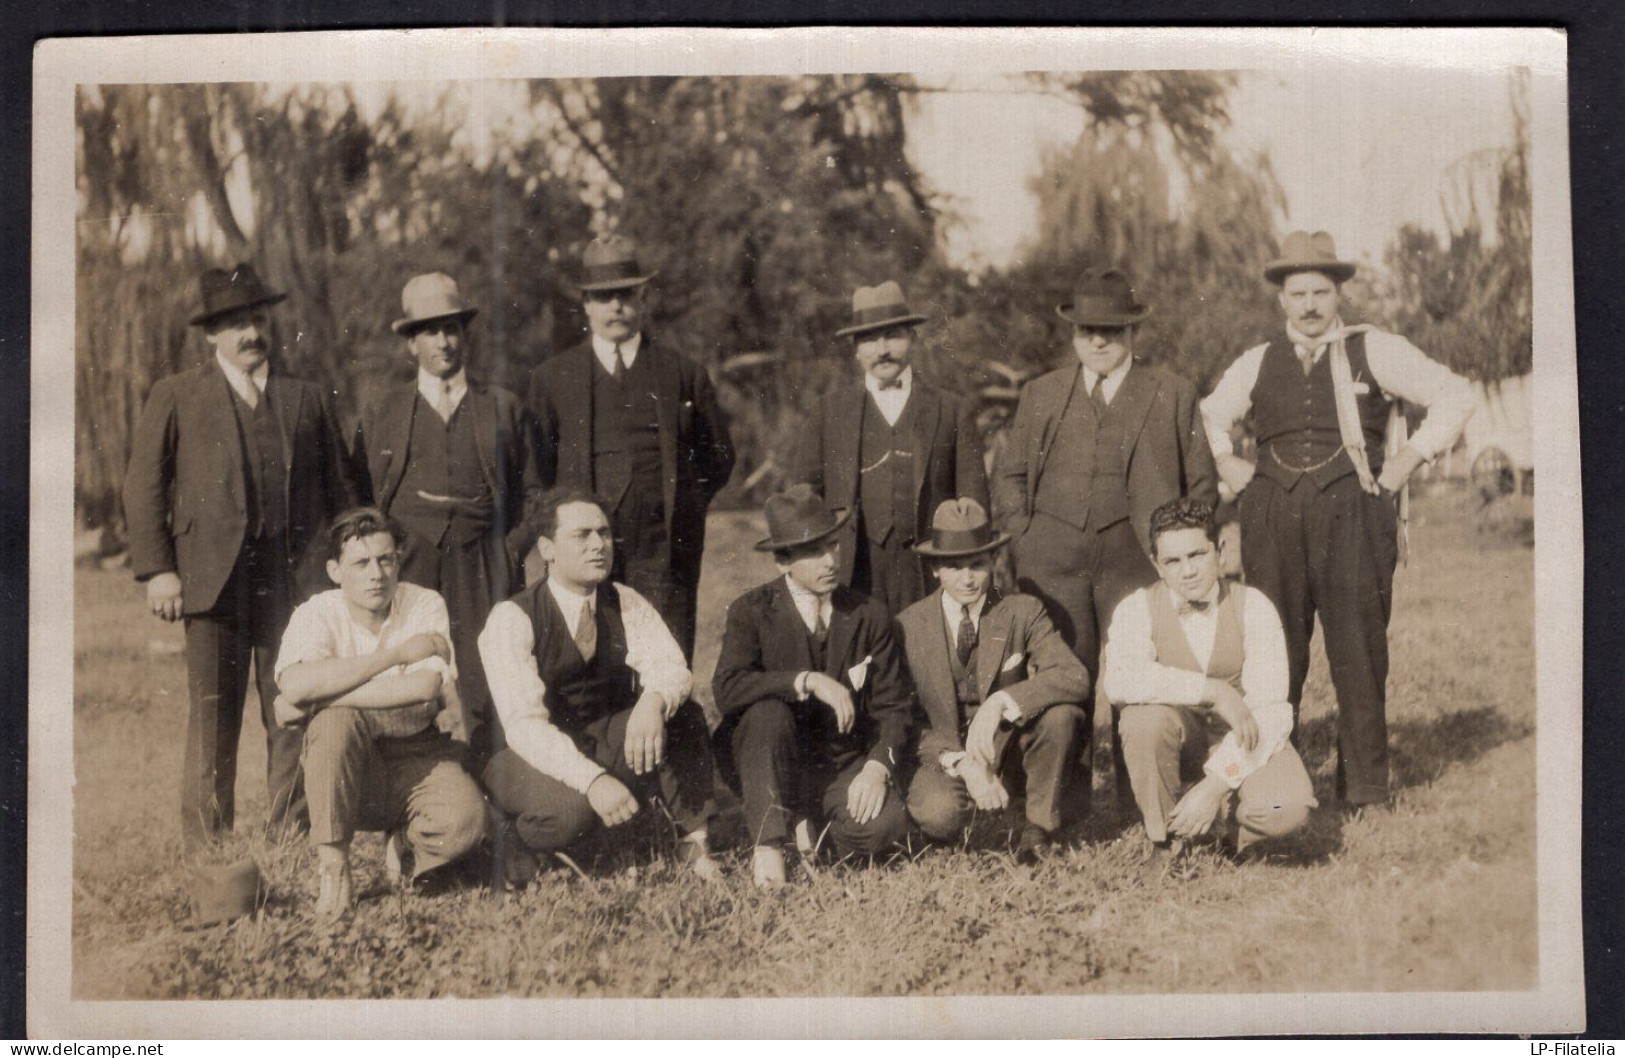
1104, 297
798, 516
223, 291
611, 263
222, 892
875, 308
1302, 252
959, 529
428, 297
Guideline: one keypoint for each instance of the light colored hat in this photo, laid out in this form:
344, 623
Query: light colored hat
1302, 252
611, 263
431, 296
959, 529
875, 308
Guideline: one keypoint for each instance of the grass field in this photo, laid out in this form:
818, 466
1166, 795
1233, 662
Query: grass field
1435, 893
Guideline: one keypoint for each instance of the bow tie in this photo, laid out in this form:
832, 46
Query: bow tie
895, 383
1188, 606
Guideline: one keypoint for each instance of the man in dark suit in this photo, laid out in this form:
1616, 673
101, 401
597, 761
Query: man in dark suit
990, 672
234, 473
638, 423
814, 698
453, 461
1095, 448
889, 448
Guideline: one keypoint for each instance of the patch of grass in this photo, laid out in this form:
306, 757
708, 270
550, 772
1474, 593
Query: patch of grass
1436, 892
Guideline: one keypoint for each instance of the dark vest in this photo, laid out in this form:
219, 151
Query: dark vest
443, 459
625, 430
1085, 481
1295, 415
578, 691
1229, 638
266, 465
886, 472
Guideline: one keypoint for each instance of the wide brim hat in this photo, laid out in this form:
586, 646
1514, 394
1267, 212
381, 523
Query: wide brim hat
224, 291
1303, 252
1104, 297
429, 297
611, 263
799, 516
223, 892
960, 529
876, 308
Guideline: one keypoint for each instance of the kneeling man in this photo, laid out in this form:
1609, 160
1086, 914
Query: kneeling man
370, 665
814, 697
989, 671
1187, 651
592, 694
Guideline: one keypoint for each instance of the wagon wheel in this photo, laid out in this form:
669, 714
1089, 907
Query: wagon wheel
1492, 474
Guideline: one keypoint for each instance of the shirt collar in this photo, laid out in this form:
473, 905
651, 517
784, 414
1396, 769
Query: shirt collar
241, 379
604, 350
1114, 377
951, 609
905, 379
809, 603
456, 386
1299, 340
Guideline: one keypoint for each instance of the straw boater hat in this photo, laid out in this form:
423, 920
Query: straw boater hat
1302, 252
1104, 297
611, 263
798, 516
222, 892
959, 529
428, 297
875, 308
225, 291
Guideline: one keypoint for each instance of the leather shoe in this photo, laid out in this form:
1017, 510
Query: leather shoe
335, 890
1033, 844
767, 866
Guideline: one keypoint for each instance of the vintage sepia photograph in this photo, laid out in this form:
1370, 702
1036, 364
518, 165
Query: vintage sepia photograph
1041, 521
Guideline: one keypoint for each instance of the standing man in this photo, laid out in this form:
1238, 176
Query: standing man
1001, 691
1096, 447
889, 448
814, 698
638, 423
452, 461
234, 473
1319, 519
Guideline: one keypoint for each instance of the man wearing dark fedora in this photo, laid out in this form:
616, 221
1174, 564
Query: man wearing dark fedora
1000, 690
1096, 446
1319, 510
637, 422
453, 461
890, 448
235, 472
814, 697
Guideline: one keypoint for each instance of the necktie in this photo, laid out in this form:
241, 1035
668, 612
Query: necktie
1097, 394
251, 395
587, 631
966, 641
1188, 606
620, 364
820, 629
1306, 356
443, 402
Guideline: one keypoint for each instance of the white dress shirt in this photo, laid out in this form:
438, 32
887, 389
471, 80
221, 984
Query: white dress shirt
519, 694
454, 388
1397, 367
323, 628
810, 606
1134, 676
604, 350
249, 385
1114, 379
891, 402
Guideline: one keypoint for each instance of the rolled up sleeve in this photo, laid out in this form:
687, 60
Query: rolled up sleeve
1403, 370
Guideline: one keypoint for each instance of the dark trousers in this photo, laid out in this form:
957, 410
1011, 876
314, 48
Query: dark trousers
1045, 763
644, 559
547, 815
782, 775
245, 624
1081, 575
458, 568
1331, 553
890, 572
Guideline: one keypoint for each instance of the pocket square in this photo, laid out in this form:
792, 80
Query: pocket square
1362, 388
857, 674
1013, 661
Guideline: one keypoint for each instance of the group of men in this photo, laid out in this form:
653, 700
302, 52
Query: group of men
856, 698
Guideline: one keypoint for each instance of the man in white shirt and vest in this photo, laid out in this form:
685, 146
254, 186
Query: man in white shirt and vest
1197, 667
1319, 510
592, 693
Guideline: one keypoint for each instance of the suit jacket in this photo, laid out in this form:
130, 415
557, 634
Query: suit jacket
696, 453
1168, 454
503, 434
185, 493
947, 457
764, 648
1018, 651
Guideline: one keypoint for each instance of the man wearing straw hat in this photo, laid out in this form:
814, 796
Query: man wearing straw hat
630, 418
1097, 446
814, 697
889, 448
453, 461
235, 472
1000, 690
1319, 511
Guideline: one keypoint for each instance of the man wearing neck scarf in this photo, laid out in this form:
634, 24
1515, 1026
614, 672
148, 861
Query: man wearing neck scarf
1319, 511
